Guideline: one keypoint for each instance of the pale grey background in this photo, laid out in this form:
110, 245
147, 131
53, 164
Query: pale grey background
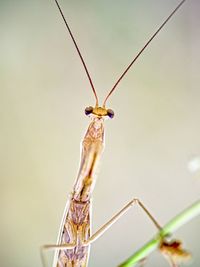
154, 134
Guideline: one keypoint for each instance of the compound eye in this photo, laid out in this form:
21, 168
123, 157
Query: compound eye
110, 113
88, 110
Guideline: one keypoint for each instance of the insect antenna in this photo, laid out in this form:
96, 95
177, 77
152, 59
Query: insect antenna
142, 50
79, 52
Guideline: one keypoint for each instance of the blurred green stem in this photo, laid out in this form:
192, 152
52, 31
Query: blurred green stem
182, 218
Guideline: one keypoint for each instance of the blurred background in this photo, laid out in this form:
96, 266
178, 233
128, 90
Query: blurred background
151, 143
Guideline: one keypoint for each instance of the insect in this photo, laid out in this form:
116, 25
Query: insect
73, 246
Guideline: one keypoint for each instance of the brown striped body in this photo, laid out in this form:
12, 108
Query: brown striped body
76, 223
76, 228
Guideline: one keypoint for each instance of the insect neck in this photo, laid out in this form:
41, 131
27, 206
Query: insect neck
92, 147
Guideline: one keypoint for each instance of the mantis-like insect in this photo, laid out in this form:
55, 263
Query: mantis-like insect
73, 246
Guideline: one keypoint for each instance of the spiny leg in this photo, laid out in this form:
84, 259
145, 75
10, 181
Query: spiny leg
117, 216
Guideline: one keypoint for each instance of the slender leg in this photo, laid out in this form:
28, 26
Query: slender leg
54, 247
59, 246
117, 216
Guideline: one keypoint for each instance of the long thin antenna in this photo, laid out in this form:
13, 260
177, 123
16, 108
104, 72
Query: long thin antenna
79, 52
141, 51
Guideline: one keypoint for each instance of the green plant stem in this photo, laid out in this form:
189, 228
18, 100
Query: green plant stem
182, 218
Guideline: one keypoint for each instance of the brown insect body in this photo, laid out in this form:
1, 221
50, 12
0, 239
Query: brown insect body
72, 248
75, 228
